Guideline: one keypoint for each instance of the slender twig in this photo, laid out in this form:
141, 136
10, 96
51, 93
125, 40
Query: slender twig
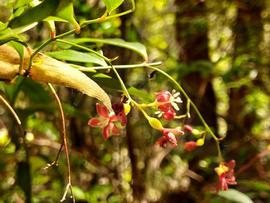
64, 136
11, 110
21, 130
105, 18
55, 162
91, 69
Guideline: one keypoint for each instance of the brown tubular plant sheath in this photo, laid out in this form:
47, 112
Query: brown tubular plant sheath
9, 63
48, 70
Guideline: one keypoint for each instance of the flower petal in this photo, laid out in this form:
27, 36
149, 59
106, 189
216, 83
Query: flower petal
102, 110
230, 164
106, 131
169, 115
94, 122
172, 139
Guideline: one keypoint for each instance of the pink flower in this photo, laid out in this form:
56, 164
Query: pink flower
167, 104
168, 136
226, 176
190, 146
108, 122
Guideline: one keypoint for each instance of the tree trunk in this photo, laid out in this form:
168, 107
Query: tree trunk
192, 30
248, 31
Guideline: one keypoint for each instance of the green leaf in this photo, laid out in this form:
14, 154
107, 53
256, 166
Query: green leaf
76, 56
54, 18
101, 75
235, 195
35, 14
112, 4
65, 11
9, 34
21, 3
143, 95
134, 46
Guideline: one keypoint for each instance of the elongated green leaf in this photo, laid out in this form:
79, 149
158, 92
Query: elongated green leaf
35, 14
54, 18
101, 75
134, 46
65, 11
235, 195
21, 3
76, 56
112, 4
9, 34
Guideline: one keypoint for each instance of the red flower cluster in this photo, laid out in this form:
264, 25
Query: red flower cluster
226, 176
108, 122
168, 136
167, 104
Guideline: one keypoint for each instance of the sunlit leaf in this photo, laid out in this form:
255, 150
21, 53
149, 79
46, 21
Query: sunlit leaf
101, 75
112, 4
9, 34
21, 3
35, 14
134, 46
76, 56
65, 11
55, 18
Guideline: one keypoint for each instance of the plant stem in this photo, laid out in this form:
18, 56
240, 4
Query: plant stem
105, 18
11, 110
64, 136
91, 69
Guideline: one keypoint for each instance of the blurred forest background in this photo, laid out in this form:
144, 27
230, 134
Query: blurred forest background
218, 50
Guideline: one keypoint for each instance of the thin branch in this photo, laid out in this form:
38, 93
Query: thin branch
64, 136
11, 110
139, 65
55, 162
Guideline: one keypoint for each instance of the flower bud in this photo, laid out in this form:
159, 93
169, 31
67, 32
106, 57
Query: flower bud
190, 146
196, 132
127, 108
200, 142
188, 128
155, 123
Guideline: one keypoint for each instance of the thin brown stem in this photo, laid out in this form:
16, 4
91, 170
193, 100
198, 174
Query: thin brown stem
11, 110
64, 136
55, 162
